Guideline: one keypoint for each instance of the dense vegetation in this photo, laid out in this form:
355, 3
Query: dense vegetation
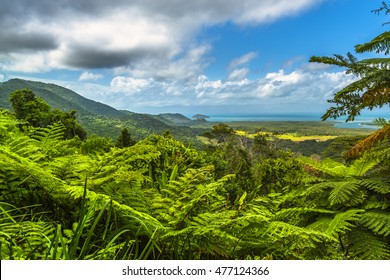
99, 119
63, 196
242, 198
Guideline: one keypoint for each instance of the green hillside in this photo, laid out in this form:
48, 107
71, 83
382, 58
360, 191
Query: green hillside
57, 97
98, 118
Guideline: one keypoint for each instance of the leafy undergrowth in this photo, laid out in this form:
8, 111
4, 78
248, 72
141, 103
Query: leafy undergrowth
159, 199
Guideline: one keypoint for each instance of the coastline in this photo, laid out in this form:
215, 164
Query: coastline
362, 122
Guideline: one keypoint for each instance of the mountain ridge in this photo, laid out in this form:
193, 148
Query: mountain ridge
57, 97
98, 118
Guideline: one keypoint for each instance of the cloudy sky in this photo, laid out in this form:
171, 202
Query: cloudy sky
210, 57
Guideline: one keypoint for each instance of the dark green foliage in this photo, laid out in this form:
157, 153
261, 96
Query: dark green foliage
27, 107
338, 147
35, 112
360, 199
57, 97
220, 132
159, 199
99, 119
72, 127
125, 140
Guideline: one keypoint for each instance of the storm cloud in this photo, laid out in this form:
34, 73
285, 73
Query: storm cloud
92, 34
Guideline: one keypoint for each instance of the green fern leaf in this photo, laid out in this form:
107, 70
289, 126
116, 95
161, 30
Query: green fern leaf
378, 186
346, 193
378, 222
343, 222
364, 245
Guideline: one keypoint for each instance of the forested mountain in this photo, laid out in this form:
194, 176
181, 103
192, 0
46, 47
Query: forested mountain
97, 118
57, 97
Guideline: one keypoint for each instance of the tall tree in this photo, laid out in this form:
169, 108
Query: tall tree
37, 113
30, 108
125, 140
371, 90
68, 119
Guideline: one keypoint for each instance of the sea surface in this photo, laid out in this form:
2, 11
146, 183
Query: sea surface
362, 121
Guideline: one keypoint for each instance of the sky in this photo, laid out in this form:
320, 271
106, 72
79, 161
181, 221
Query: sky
208, 57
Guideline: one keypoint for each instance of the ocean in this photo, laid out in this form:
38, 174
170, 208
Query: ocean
362, 121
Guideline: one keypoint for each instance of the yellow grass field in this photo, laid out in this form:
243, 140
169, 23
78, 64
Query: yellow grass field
286, 136
289, 136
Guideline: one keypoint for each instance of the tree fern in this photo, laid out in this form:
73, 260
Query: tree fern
363, 244
367, 143
339, 170
25, 147
343, 222
377, 221
21, 238
50, 133
346, 193
379, 186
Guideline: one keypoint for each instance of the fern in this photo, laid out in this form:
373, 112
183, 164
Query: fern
377, 221
21, 238
378, 186
339, 170
367, 143
365, 245
50, 138
50, 133
26, 147
346, 193
295, 215
343, 222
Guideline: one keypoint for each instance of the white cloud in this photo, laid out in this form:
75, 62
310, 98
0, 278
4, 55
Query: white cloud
301, 86
85, 76
269, 10
238, 74
152, 49
28, 63
137, 35
129, 84
243, 60
292, 61
295, 90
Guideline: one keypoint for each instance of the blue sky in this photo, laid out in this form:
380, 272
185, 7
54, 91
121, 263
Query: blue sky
210, 57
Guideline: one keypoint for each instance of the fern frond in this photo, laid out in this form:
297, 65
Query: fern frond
291, 240
377, 221
346, 193
364, 245
378, 186
49, 133
343, 222
367, 143
339, 170
296, 213
24, 239
322, 224
26, 147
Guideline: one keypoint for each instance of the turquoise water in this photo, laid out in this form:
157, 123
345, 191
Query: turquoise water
360, 122
265, 117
